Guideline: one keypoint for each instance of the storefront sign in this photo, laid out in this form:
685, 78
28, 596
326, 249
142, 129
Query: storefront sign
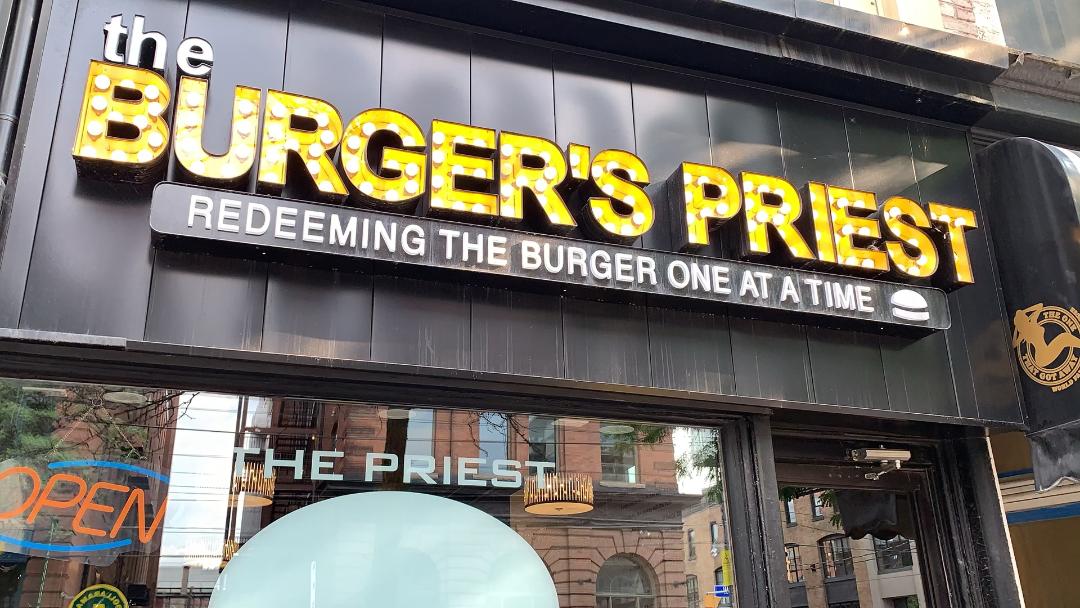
273, 223
381, 159
78, 507
1053, 362
414, 468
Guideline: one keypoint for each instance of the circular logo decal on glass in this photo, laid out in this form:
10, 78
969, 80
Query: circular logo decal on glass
99, 596
386, 549
1047, 343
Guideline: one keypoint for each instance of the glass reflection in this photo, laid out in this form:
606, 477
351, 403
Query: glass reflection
975, 20
194, 483
859, 563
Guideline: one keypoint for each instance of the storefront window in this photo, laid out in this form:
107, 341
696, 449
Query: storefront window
187, 499
893, 554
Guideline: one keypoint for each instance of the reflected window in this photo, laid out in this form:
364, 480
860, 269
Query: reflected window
714, 533
542, 441
789, 512
817, 506
836, 556
618, 457
691, 550
693, 596
420, 434
892, 554
492, 438
624, 583
794, 563
718, 576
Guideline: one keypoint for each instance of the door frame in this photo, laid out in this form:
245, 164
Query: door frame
964, 548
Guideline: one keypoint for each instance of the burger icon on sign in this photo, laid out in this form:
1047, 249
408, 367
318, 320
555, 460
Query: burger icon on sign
909, 305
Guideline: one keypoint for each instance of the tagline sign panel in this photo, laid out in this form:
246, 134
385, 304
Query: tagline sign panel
273, 223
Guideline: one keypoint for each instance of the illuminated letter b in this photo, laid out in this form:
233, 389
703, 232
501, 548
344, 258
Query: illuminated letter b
122, 130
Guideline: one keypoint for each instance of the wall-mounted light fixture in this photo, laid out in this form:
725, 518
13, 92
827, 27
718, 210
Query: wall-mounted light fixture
559, 494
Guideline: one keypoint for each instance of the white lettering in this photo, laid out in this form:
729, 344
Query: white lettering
788, 291
496, 251
646, 267
506, 468
449, 235
764, 278
575, 258
370, 468
530, 255
313, 222
238, 459
342, 236
424, 473
249, 225
318, 464
281, 223
387, 237
464, 470
721, 280
540, 467
814, 284
748, 285
678, 274
844, 295
864, 299
229, 212
296, 464
600, 265
412, 240
207, 207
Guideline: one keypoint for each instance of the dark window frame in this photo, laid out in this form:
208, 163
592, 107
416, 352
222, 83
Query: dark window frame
793, 563
837, 560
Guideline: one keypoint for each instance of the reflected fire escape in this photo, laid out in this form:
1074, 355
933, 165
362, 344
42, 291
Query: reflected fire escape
289, 427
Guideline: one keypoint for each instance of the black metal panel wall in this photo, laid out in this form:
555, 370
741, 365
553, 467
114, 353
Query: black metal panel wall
93, 270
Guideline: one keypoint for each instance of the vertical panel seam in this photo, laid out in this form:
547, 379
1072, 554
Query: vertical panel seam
154, 251
45, 177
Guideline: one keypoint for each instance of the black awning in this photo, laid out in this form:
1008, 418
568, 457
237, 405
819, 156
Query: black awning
1032, 196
